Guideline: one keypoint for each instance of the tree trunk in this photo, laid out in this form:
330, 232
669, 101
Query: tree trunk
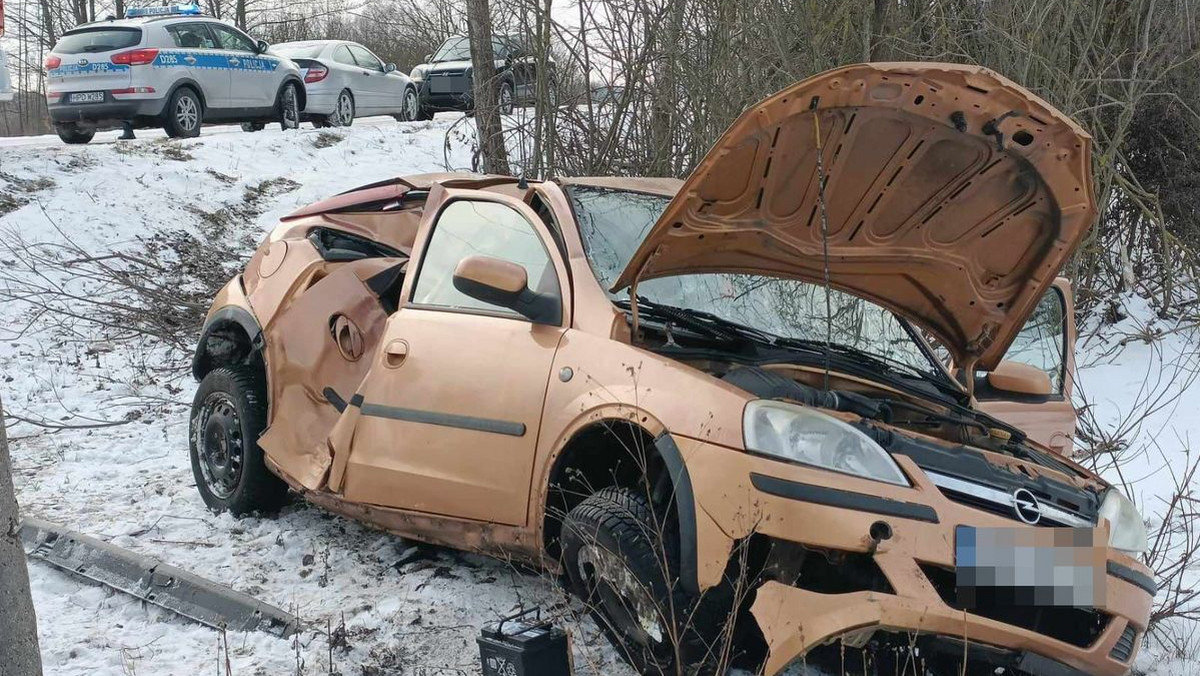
492, 152
19, 653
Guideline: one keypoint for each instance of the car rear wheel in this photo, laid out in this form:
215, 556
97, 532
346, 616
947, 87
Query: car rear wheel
289, 107
623, 561
343, 112
184, 114
72, 133
228, 413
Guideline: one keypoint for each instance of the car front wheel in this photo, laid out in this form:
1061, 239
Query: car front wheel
622, 559
228, 413
289, 107
184, 114
410, 109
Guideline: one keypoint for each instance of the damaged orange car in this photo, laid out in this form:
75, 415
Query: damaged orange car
712, 405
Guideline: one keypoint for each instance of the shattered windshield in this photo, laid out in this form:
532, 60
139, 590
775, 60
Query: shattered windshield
613, 223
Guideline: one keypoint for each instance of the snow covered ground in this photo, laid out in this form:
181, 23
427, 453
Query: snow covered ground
131, 483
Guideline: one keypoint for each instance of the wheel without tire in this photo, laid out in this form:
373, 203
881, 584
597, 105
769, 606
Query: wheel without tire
74, 134
184, 114
624, 562
289, 107
343, 112
228, 414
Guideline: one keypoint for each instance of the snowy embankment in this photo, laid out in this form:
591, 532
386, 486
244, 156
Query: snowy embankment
131, 483
119, 468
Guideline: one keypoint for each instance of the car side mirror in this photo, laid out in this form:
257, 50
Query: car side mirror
1018, 378
262, 46
390, 68
505, 284
427, 58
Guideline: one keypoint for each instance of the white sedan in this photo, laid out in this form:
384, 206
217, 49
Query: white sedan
344, 80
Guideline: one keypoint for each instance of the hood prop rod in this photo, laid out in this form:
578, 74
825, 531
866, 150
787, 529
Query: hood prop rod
812, 106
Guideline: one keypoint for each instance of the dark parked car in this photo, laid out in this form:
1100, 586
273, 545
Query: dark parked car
444, 81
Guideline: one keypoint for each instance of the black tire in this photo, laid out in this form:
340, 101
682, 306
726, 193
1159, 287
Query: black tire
619, 525
228, 414
251, 127
424, 113
343, 113
289, 107
184, 114
72, 133
410, 109
506, 100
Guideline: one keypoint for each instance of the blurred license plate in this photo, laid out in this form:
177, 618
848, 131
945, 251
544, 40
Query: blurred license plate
1029, 567
86, 97
447, 85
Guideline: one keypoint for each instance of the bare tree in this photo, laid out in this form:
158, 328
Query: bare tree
18, 623
487, 89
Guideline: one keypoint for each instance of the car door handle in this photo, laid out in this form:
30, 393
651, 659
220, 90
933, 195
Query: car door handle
190, 59
367, 73
234, 62
395, 353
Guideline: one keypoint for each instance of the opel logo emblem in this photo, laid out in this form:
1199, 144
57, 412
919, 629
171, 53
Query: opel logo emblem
1026, 506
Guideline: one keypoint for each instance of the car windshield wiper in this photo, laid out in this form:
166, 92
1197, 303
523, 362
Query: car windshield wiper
844, 356
700, 321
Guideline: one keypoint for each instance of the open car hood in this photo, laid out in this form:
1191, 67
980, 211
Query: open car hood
953, 197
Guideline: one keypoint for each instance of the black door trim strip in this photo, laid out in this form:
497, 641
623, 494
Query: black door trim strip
823, 495
466, 422
1133, 577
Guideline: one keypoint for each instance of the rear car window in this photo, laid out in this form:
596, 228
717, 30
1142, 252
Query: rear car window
98, 40
192, 36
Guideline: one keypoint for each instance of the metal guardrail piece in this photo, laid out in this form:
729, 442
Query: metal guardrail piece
194, 597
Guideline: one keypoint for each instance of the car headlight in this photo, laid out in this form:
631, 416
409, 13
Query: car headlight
418, 73
803, 435
1127, 530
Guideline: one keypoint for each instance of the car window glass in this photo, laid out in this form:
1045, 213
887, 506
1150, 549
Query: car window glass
468, 228
499, 49
453, 49
366, 59
98, 40
231, 39
342, 55
1041, 342
192, 36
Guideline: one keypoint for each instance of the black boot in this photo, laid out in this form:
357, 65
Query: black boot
126, 132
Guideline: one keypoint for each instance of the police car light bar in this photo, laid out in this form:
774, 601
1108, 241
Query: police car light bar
165, 10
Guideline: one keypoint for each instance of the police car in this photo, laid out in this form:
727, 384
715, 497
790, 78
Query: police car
168, 66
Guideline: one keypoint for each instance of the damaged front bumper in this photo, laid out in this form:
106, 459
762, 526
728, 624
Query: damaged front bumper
864, 588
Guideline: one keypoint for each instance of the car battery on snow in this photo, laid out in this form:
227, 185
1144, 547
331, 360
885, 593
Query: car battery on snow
519, 645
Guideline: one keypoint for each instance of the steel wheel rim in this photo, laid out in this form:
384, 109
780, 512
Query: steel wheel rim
626, 602
186, 113
410, 105
220, 445
345, 109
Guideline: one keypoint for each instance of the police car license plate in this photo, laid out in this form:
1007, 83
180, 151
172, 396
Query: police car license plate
86, 97
1030, 567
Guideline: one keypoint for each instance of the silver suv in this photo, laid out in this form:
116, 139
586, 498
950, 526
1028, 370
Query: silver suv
172, 68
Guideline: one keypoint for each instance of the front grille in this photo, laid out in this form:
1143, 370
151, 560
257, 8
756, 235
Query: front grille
991, 499
1080, 627
1123, 650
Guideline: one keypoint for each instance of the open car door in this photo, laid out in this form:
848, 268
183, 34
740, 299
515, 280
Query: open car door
1015, 392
